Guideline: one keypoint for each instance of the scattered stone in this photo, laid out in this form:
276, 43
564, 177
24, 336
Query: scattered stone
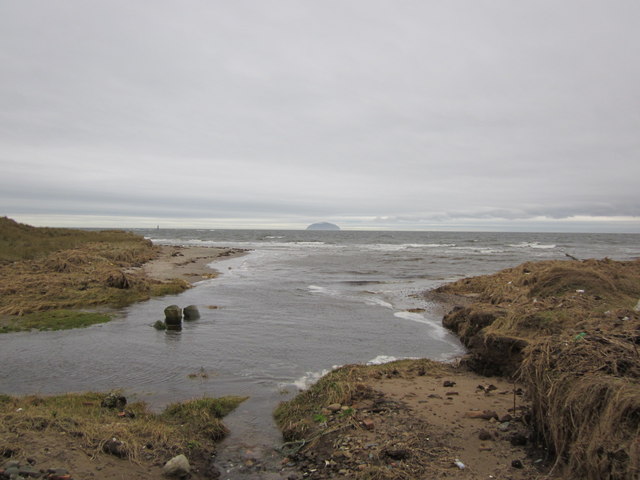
435, 395
160, 325
485, 414
517, 464
485, 435
449, 394
334, 407
191, 313
448, 384
114, 447
505, 418
504, 426
177, 467
114, 400
368, 424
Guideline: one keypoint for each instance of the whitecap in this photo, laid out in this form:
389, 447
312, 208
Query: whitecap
309, 378
533, 245
380, 359
379, 302
419, 318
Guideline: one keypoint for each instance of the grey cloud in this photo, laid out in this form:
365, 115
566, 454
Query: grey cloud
429, 111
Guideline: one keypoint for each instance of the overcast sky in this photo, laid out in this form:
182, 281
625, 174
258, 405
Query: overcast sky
398, 114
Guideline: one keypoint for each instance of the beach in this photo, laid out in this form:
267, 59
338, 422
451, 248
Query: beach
187, 263
262, 339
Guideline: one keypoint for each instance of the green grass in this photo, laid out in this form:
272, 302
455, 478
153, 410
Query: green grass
52, 320
202, 416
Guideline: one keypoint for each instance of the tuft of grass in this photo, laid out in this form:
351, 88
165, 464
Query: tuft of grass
52, 320
202, 416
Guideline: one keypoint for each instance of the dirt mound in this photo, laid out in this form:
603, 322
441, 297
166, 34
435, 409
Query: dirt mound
570, 331
504, 312
406, 420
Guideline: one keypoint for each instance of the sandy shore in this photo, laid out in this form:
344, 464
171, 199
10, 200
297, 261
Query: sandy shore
188, 263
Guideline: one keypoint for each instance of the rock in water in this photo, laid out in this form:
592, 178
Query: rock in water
191, 313
173, 316
177, 467
323, 226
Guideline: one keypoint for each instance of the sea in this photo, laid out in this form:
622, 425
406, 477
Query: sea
297, 305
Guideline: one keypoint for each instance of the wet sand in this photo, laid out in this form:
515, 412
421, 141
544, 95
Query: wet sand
188, 263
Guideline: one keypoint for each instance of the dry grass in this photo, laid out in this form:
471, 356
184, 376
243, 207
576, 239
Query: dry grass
571, 328
586, 400
182, 428
52, 269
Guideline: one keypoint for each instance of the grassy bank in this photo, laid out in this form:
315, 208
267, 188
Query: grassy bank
38, 426
570, 331
302, 418
51, 270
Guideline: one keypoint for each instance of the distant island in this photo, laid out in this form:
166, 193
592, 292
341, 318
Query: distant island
323, 226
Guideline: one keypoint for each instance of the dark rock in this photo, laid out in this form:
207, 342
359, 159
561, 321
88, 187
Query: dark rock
160, 325
518, 439
118, 280
173, 315
517, 464
191, 313
397, 453
114, 400
448, 383
114, 447
485, 435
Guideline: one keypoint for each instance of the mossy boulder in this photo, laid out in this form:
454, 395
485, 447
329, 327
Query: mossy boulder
191, 313
173, 316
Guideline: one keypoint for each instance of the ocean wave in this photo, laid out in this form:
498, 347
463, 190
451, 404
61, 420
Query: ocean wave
479, 250
381, 359
378, 302
309, 378
533, 245
438, 330
392, 247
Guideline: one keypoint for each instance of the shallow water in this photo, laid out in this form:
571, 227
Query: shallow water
298, 304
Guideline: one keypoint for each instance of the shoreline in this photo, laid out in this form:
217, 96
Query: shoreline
189, 263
